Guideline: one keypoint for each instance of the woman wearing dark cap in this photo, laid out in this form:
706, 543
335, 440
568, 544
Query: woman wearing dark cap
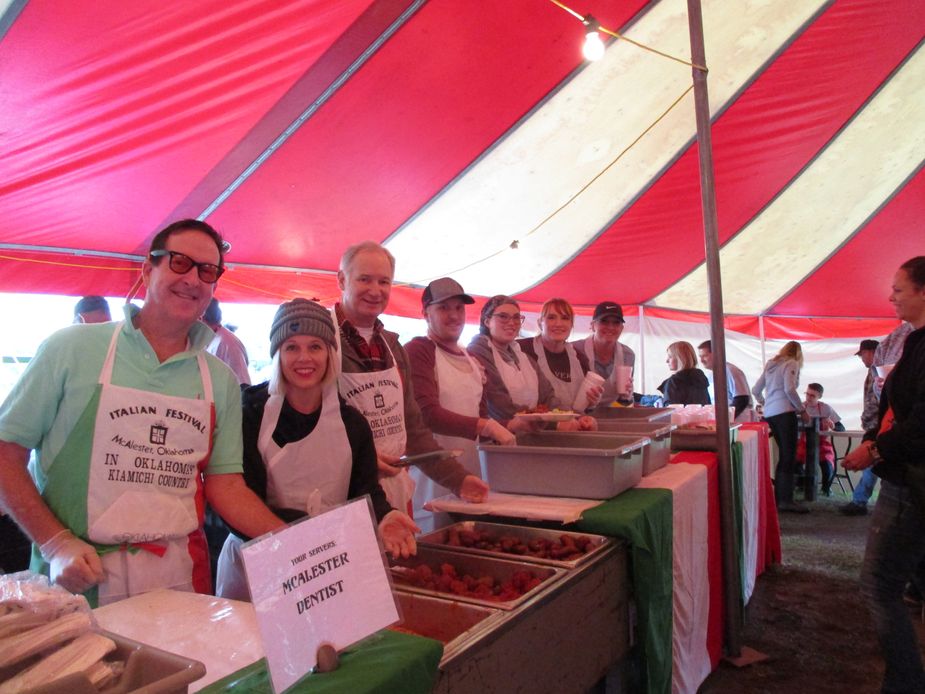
305, 449
513, 381
895, 449
609, 357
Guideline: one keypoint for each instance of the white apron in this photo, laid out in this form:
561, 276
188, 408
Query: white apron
521, 382
312, 473
566, 392
379, 397
459, 384
612, 391
144, 476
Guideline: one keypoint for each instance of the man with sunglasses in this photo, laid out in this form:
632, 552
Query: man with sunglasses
135, 427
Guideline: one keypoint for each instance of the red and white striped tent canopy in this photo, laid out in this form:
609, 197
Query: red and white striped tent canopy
472, 139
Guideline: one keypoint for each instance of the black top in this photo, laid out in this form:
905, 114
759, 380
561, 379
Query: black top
559, 362
903, 444
294, 426
686, 387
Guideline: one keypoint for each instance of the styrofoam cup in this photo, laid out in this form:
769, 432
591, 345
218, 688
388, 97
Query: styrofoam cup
624, 379
592, 378
884, 370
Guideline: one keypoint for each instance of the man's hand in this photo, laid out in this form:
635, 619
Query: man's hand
473, 489
75, 565
860, 458
497, 433
397, 531
587, 423
386, 465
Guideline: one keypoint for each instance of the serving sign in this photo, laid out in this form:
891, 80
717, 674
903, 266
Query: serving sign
320, 580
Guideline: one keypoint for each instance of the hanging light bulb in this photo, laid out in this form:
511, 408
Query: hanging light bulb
593, 48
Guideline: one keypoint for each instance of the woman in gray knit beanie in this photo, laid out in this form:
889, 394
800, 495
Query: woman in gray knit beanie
301, 317
305, 450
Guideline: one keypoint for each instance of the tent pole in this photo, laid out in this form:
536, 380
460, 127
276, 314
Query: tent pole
733, 592
642, 348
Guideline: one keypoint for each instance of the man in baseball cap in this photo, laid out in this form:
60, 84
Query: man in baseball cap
442, 289
448, 388
869, 347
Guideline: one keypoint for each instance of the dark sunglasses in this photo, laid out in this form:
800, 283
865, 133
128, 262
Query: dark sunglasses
181, 264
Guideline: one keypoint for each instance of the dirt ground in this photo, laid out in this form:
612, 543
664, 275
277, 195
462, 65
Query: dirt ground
806, 614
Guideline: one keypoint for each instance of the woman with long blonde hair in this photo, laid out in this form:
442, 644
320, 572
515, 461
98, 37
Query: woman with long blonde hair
776, 391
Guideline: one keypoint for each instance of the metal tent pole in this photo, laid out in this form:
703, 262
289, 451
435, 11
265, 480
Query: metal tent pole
733, 593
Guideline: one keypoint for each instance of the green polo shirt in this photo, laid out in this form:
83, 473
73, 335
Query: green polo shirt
44, 406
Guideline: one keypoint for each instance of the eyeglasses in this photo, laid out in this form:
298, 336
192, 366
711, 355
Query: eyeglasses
508, 318
181, 264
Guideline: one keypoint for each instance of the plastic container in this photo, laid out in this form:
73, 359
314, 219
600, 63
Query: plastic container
569, 464
148, 670
644, 414
658, 452
698, 439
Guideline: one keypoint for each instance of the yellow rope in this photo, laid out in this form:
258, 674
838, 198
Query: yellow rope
607, 168
618, 35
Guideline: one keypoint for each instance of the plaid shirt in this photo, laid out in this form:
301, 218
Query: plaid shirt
372, 353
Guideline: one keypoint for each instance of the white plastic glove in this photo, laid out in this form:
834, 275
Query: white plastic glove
75, 565
473, 489
397, 531
495, 431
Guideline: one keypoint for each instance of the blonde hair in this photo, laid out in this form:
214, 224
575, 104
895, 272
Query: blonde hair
684, 353
278, 383
790, 351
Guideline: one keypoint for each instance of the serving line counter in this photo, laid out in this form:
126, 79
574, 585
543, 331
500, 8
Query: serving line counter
564, 638
672, 522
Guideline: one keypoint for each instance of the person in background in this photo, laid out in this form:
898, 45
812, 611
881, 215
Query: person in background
135, 427
376, 379
226, 345
776, 391
687, 384
92, 309
814, 408
560, 362
887, 351
448, 388
513, 381
896, 450
606, 354
740, 396
306, 450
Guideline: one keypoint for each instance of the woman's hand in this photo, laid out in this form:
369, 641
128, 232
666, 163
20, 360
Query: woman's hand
473, 489
386, 464
860, 458
593, 394
397, 532
519, 425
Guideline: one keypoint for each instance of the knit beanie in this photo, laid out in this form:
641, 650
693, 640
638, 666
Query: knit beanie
301, 317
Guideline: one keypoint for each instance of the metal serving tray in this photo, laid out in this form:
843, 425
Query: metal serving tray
440, 537
645, 414
698, 439
499, 569
657, 453
568, 464
449, 621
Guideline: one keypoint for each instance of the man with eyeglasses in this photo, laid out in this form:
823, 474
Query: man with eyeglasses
610, 358
135, 427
